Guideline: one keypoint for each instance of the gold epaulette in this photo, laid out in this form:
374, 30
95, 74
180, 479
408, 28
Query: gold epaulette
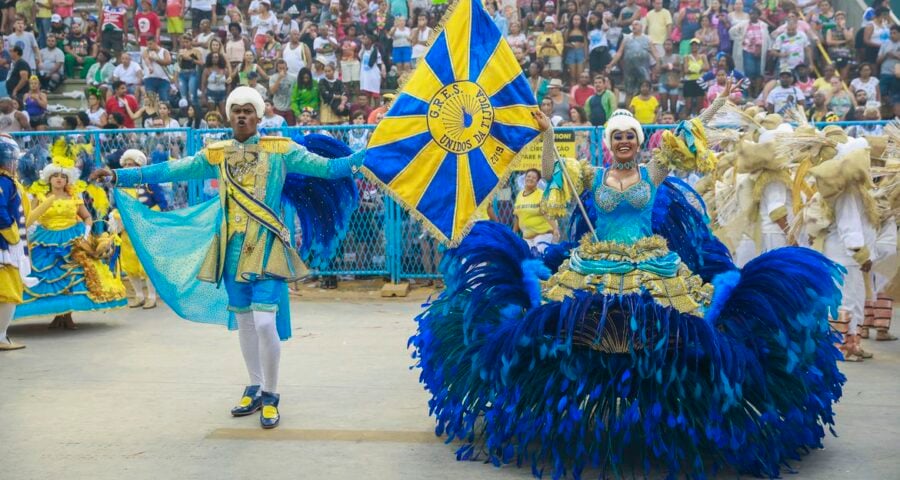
215, 152
275, 144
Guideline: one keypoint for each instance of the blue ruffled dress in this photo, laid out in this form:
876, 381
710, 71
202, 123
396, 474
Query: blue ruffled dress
645, 344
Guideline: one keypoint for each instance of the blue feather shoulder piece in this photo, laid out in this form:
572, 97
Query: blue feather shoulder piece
321, 207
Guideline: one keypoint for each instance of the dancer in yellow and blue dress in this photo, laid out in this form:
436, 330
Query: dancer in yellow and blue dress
153, 198
640, 340
14, 263
66, 260
244, 238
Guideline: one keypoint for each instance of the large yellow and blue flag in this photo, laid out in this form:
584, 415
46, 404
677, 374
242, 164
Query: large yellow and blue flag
457, 125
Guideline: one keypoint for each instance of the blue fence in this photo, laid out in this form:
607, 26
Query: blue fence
383, 239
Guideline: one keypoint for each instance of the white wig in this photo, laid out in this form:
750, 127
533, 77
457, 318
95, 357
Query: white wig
621, 121
134, 155
243, 96
52, 169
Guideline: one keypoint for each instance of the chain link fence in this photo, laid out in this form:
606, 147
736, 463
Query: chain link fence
383, 240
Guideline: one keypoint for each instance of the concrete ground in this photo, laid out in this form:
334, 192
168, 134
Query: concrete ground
144, 395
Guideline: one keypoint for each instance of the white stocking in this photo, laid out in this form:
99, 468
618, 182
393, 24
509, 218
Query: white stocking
7, 310
249, 346
151, 292
269, 348
138, 285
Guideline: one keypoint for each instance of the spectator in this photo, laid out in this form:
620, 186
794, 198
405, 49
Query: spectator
537, 229
823, 83
804, 81
281, 86
202, 39
147, 24
7, 17
204, 10
792, 47
400, 35
645, 106
272, 121
11, 118
270, 52
819, 111
113, 26
374, 115
371, 69
753, 38
156, 78
80, 51
602, 103
305, 93
636, 54
560, 100
889, 72
128, 72
101, 73
284, 29
350, 65
262, 23
123, 104
358, 138
240, 76
253, 82
866, 82
628, 14
190, 60
194, 118
694, 66
576, 47
548, 108
420, 36
839, 42
326, 47
785, 94
19, 73
688, 22
236, 46
95, 112
669, 77
296, 54
175, 18
57, 28
214, 84
35, 102
163, 118
333, 100
41, 16
876, 33
30, 51
658, 25
50, 71
549, 46
716, 87
598, 44
840, 101
708, 36
539, 84
581, 92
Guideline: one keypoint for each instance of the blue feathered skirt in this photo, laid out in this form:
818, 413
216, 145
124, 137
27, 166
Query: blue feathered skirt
621, 382
62, 286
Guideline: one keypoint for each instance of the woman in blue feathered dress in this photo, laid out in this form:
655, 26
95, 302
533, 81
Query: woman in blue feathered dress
642, 341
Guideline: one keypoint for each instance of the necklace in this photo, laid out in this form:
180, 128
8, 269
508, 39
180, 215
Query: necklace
623, 165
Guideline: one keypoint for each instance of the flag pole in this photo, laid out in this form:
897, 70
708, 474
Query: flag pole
575, 194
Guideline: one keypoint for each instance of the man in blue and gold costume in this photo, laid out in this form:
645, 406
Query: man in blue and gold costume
14, 263
243, 239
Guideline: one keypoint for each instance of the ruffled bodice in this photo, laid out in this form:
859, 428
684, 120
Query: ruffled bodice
624, 217
63, 214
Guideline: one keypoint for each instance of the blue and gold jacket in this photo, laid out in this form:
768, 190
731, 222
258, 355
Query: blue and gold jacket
253, 208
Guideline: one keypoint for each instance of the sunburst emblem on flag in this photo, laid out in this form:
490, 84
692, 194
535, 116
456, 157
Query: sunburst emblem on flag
457, 125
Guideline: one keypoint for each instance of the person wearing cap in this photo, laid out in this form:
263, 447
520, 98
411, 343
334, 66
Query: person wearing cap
386, 100
559, 98
792, 47
251, 251
784, 94
550, 46
147, 24
57, 26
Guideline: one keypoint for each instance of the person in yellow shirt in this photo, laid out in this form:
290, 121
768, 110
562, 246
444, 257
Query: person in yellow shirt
549, 45
537, 229
645, 106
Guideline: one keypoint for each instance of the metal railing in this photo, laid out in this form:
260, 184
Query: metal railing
383, 239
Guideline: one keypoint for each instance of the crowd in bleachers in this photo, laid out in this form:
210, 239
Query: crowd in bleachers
163, 63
